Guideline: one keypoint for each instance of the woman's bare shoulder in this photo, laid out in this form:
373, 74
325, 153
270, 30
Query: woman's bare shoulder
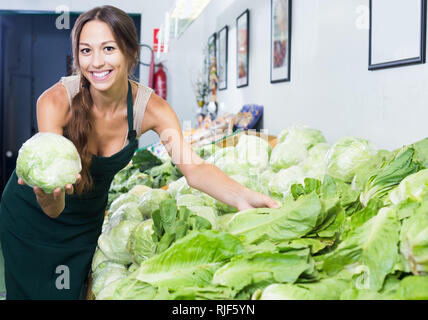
158, 112
53, 107
56, 93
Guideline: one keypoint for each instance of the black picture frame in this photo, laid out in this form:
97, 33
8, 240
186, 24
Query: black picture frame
212, 52
242, 49
376, 63
280, 40
222, 57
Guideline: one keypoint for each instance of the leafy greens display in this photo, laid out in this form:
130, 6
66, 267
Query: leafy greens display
352, 224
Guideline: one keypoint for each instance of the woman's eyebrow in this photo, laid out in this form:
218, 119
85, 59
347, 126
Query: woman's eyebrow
103, 43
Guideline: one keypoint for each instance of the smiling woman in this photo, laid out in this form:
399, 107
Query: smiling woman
105, 50
94, 109
102, 112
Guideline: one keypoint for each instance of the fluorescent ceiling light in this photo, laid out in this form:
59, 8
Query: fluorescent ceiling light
188, 9
181, 17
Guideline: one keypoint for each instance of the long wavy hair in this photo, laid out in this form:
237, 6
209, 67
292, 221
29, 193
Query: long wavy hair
80, 125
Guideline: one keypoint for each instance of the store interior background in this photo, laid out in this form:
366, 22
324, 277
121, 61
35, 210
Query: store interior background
331, 88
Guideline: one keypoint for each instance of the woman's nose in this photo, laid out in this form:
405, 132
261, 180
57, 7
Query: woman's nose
97, 59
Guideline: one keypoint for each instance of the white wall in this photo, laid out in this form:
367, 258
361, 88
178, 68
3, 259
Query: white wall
331, 88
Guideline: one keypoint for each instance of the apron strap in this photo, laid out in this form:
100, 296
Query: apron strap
132, 134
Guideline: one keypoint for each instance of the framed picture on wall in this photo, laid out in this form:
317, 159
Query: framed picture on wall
280, 40
222, 58
212, 51
397, 33
242, 49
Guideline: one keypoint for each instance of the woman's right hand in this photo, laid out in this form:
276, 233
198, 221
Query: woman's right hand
53, 203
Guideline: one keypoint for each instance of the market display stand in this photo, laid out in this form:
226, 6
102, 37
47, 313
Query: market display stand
228, 141
89, 294
232, 140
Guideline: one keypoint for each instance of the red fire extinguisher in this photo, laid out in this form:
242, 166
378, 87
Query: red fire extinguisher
160, 81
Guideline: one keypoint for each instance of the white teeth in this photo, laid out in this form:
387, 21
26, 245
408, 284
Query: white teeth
100, 74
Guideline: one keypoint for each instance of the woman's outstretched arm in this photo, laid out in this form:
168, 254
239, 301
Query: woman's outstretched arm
199, 174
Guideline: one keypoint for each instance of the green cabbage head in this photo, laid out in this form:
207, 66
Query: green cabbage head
293, 145
175, 186
346, 155
151, 200
314, 164
48, 161
113, 243
254, 150
234, 165
223, 152
189, 200
287, 154
127, 211
281, 182
106, 273
414, 187
302, 134
414, 240
140, 244
121, 200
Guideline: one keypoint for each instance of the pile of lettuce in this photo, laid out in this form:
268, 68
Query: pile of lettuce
144, 169
352, 224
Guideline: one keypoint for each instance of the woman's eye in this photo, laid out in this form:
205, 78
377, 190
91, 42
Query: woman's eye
85, 50
109, 49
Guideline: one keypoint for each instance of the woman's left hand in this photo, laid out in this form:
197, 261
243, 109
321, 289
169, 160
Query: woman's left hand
254, 199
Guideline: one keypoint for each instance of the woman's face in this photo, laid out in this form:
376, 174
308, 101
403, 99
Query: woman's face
100, 58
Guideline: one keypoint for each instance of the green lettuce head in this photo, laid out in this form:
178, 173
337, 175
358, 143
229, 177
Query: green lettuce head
233, 165
413, 187
139, 190
287, 154
48, 161
127, 211
208, 213
293, 145
97, 259
346, 155
121, 200
281, 182
151, 200
113, 243
254, 150
302, 134
106, 273
414, 240
175, 186
264, 179
141, 245
314, 164
189, 200
139, 178
223, 152
206, 151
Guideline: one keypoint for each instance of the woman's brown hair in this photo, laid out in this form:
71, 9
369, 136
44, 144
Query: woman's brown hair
80, 125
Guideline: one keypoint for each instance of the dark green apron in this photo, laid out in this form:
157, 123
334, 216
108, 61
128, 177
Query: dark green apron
49, 258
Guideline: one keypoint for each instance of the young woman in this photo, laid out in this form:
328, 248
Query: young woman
48, 239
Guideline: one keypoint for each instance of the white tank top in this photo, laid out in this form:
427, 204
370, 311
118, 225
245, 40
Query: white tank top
72, 85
